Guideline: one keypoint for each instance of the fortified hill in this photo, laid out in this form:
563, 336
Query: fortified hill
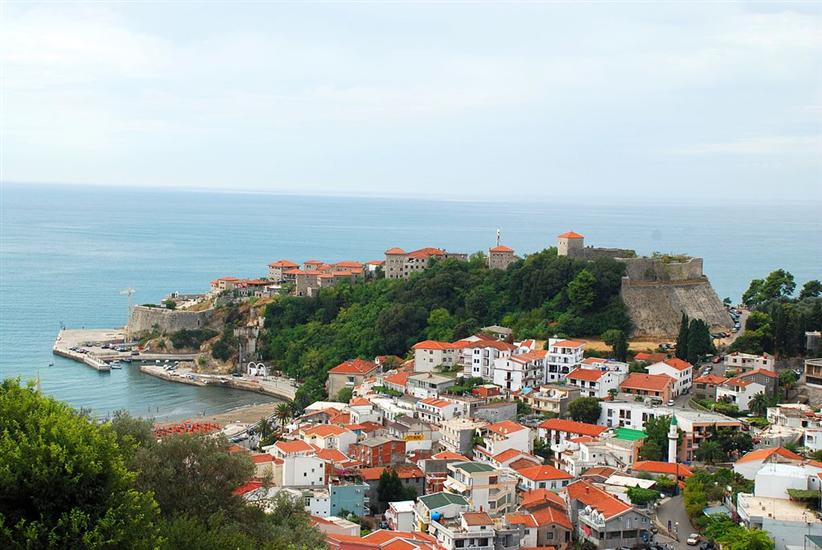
656, 290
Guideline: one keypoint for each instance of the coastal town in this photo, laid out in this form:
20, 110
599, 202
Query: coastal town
494, 441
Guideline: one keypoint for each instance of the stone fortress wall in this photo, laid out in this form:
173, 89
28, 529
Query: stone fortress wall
144, 320
657, 290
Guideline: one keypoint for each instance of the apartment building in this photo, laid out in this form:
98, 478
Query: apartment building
520, 371
563, 357
604, 520
479, 357
744, 362
400, 264
486, 488
430, 354
681, 371
551, 398
593, 382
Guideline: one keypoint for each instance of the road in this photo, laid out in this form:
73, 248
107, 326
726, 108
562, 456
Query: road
673, 511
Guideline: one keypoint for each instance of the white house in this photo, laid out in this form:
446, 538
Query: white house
437, 409
593, 382
681, 371
503, 436
520, 371
428, 384
542, 477
485, 487
296, 464
400, 515
556, 431
739, 391
748, 465
430, 354
743, 362
329, 436
563, 357
479, 356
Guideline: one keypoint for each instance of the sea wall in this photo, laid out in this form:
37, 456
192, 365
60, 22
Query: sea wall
657, 269
656, 307
147, 319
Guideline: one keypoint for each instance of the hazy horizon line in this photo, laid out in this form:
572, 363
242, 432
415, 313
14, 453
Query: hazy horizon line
621, 199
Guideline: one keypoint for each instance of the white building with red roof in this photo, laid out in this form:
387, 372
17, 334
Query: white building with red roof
329, 436
681, 371
400, 264
516, 372
429, 354
594, 382
503, 436
557, 430
543, 476
739, 390
437, 409
743, 362
277, 270
296, 464
563, 357
478, 357
604, 520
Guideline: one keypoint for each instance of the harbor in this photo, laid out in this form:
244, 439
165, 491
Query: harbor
107, 349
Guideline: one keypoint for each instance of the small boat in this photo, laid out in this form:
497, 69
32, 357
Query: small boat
116, 365
51, 364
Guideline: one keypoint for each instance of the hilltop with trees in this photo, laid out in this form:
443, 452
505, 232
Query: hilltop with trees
538, 297
779, 318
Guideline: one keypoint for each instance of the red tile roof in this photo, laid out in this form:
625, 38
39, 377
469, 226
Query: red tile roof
403, 472
764, 372
652, 382
477, 518
448, 455
247, 487
570, 426
395, 250
496, 344
532, 355
521, 464
571, 235
331, 455
538, 497
354, 366
589, 375
764, 454
594, 497
543, 473
436, 402
296, 446
678, 364
714, 379
602, 471
568, 344
427, 252
506, 427
261, 458
659, 467
283, 263
398, 379
433, 344
650, 357
324, 430
507, 454
501, 248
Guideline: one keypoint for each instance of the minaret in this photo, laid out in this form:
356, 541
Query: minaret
673, 435
497, 236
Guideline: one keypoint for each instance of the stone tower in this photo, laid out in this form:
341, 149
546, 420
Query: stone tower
570, 244
673, 435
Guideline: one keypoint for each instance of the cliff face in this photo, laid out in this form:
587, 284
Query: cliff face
144, 320
656, 307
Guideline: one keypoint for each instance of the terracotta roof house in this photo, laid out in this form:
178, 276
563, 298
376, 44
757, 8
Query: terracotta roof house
543, 477
598, 515
749, 464
349, 374
659, 386
666, 468
547, 526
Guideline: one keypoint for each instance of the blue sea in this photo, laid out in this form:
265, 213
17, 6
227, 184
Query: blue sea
66, 252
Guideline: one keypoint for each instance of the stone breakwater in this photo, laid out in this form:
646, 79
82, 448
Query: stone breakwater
276, 387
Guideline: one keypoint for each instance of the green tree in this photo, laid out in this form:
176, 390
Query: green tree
741, 538
650, 450
641, 496
345, 394
787, 379
64, 481
581, 291
709, 452
585, 409
193, 475
391, 489
811, 289
657, 437
132, 433
682, 338
619, 343
283, 413
758, 404
441, 325
543, 449
778, 285
699, 341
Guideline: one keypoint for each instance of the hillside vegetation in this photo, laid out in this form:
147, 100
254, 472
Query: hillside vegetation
541, 296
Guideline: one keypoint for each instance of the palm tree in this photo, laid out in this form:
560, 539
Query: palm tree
758, 404
283, 413
709, 451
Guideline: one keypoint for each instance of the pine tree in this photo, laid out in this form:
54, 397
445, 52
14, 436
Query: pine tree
682, 338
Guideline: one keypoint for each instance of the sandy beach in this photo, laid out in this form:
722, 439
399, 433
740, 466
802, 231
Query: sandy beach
249, 414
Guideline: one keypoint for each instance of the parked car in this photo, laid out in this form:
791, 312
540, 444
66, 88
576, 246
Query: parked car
671, 403
693, 539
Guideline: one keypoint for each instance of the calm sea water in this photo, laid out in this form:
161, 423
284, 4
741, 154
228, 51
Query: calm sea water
67, 252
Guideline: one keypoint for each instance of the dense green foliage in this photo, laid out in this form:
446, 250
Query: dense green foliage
64, 481
223, 348
191, 339
722, 529
694, 340
585, 409
778, 321
390, 488
540, 296
641, 496
705, 487
67, 481
618, 341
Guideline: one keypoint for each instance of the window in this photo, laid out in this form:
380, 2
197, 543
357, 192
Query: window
550, 535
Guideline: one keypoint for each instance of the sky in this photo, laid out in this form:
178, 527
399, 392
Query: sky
523, 101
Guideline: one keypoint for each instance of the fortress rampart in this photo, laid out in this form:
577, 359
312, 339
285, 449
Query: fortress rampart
144, 320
